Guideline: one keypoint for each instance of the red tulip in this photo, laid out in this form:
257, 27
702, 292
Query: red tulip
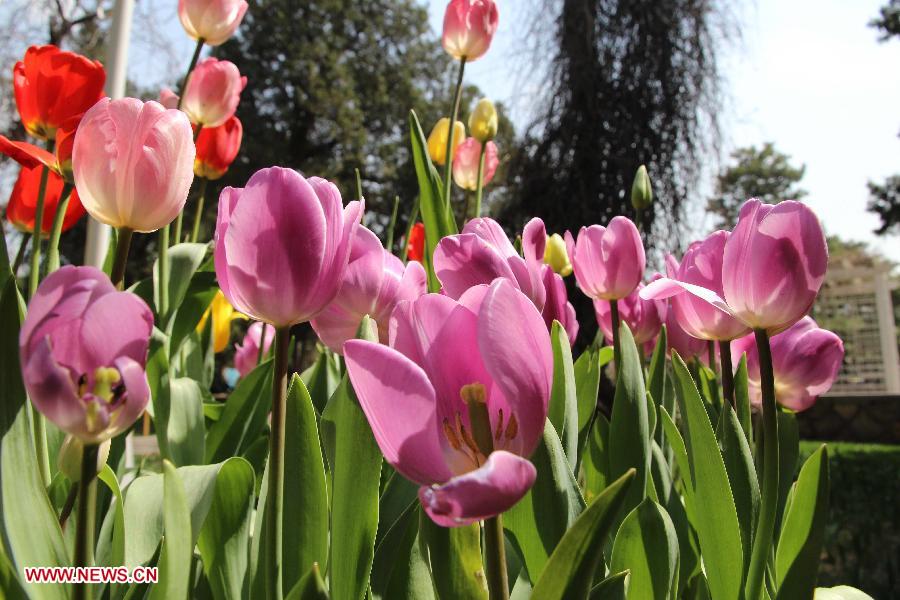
31, 156
217, 147
23, 201
415, 246
52, 86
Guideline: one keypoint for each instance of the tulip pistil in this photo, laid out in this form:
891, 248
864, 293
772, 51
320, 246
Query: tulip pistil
104, 378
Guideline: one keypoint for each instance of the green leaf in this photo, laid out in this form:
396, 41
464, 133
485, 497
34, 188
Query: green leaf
310, 587
595, 466
716, 519
614, 587
31, 533
244, 417
587, 385
563, 410
657, 380
225, 535
112, 553
184, 425
647, 545
629, 427
571, 569
788, 456
741, 474
803, 530
306, 518
177, 548
539, 520
454, 557
742, 399
5, 264
197, 298
184, 260
354, 507
322, 378
400, 570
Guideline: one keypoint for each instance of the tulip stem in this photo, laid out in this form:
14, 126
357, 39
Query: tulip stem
20, 255
274, 497
36, 230
479, 190
762, 541
123, 244
727, 372
614, 318
191, 66
163, 282
201, 198
410, 223
67, 507
392, 225
260, 352
448, 157
84, 527
711, 355
176, 234
56, 232
495, 559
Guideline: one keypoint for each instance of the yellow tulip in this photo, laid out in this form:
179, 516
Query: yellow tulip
437, 140
222, 315
483, 121
555, 255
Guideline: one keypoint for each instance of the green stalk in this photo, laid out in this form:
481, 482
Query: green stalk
20, 255
123, 244
727, 372
260, 352
163, 261
191, 66
495, 559
275, 494
198, 215
762, 541
711, 356
85, 527
176, 234
614, 318
392, 224
35, 276
56, 232
448, 160
479, 190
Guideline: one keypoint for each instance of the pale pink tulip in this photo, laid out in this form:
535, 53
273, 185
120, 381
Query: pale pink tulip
609, 262
133, 163
643, 317
246, 354
489, 351
213, 21
469, 27
213, 92
466, 162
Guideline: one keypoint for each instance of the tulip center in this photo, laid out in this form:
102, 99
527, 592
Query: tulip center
106, 386
477, 441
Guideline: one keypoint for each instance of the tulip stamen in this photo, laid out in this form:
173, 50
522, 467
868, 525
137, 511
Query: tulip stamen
82, 384
512, 428
499, 429
451, 436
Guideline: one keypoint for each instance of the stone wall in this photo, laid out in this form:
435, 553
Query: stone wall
873, 419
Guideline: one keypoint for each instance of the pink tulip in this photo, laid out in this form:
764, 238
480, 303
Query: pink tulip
681, 341
469, 27
168, 98
282, 245
805, 361
490, 352
608, 261
212, 92
374, 283
773, 265
702, 266
213, 21
83, 349
644, 317
466, 161
482, 253
557, 306
133, 163
246, 354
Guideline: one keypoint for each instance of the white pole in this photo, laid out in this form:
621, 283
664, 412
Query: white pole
887, 331
116, 71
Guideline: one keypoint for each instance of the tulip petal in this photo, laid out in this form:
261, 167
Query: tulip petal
50, 388
666, 288
515, 346
115, 325
490, 231
400, 405
465, 260
27, 155
534, 240
486, 492
137, 394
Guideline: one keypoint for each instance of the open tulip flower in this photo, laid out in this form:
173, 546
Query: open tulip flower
52, 86
133, 163
374, 283
608, 261
22, 208
469, 27
213, 21
217, 147
265, 268
83, 349
213, 92
458, 401
773, 265
644, 317
467, 160
806, 360
246, 354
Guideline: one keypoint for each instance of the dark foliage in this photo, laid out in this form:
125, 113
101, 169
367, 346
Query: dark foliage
884, 200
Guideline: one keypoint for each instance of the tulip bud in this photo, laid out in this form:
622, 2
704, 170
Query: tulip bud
69, 458
466, 162
217, 147
641, 190
469, 27
621, 268
133, 163
213, 21
555, 255
437, 140
246, 354
483, 121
